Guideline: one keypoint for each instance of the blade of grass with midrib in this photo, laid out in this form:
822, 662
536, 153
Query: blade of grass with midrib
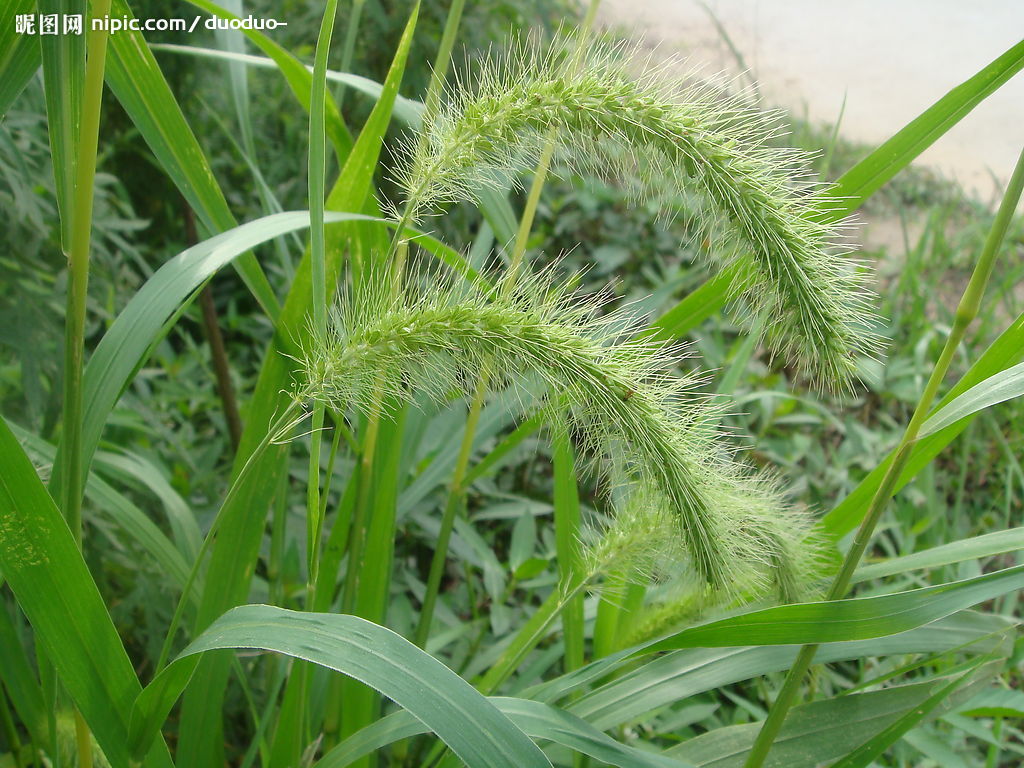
473, 727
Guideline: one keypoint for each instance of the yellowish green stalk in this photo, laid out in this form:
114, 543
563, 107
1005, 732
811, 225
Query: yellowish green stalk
444, 55
967, 311
77, 298
456, 494
78, 273
567, 542
318, 260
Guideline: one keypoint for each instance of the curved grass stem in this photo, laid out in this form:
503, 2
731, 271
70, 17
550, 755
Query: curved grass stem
967, 310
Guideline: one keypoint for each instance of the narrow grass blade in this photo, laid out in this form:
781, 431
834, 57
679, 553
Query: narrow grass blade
690, 672
995, 703
1006, 351
43, 567
996, 389
818, 733
409, 112
986, 545
19, 54
64, 80
696, 307
465, 720
865, 178
876, 746
861, 181
297, 75
493, 204
851, 619
359, 704
145, 476
567, 542
540, 721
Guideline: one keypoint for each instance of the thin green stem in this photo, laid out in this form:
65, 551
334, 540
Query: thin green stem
78, 274
567, 541
456, 494
318, 262
458, 485
349, 46
317, 172
77, 299
332, 458
444, 55
530, 634
395, 261
218, 353
277, 432
967, 310
357, 536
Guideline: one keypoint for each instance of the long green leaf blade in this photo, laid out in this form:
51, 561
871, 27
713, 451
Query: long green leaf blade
450, 707
41, 562
857, 618
996, 389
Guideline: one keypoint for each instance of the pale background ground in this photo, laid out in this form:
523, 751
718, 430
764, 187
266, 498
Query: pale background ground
890, 58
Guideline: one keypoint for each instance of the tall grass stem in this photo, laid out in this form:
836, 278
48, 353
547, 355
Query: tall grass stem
78, 273
77, 299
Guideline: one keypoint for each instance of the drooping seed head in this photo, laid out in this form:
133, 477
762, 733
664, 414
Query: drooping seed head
761, 210
624, 402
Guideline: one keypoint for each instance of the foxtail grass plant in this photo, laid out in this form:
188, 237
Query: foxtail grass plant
580, 100
702, 565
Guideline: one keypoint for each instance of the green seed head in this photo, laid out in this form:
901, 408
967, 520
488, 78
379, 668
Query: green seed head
620, 394
759, 207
